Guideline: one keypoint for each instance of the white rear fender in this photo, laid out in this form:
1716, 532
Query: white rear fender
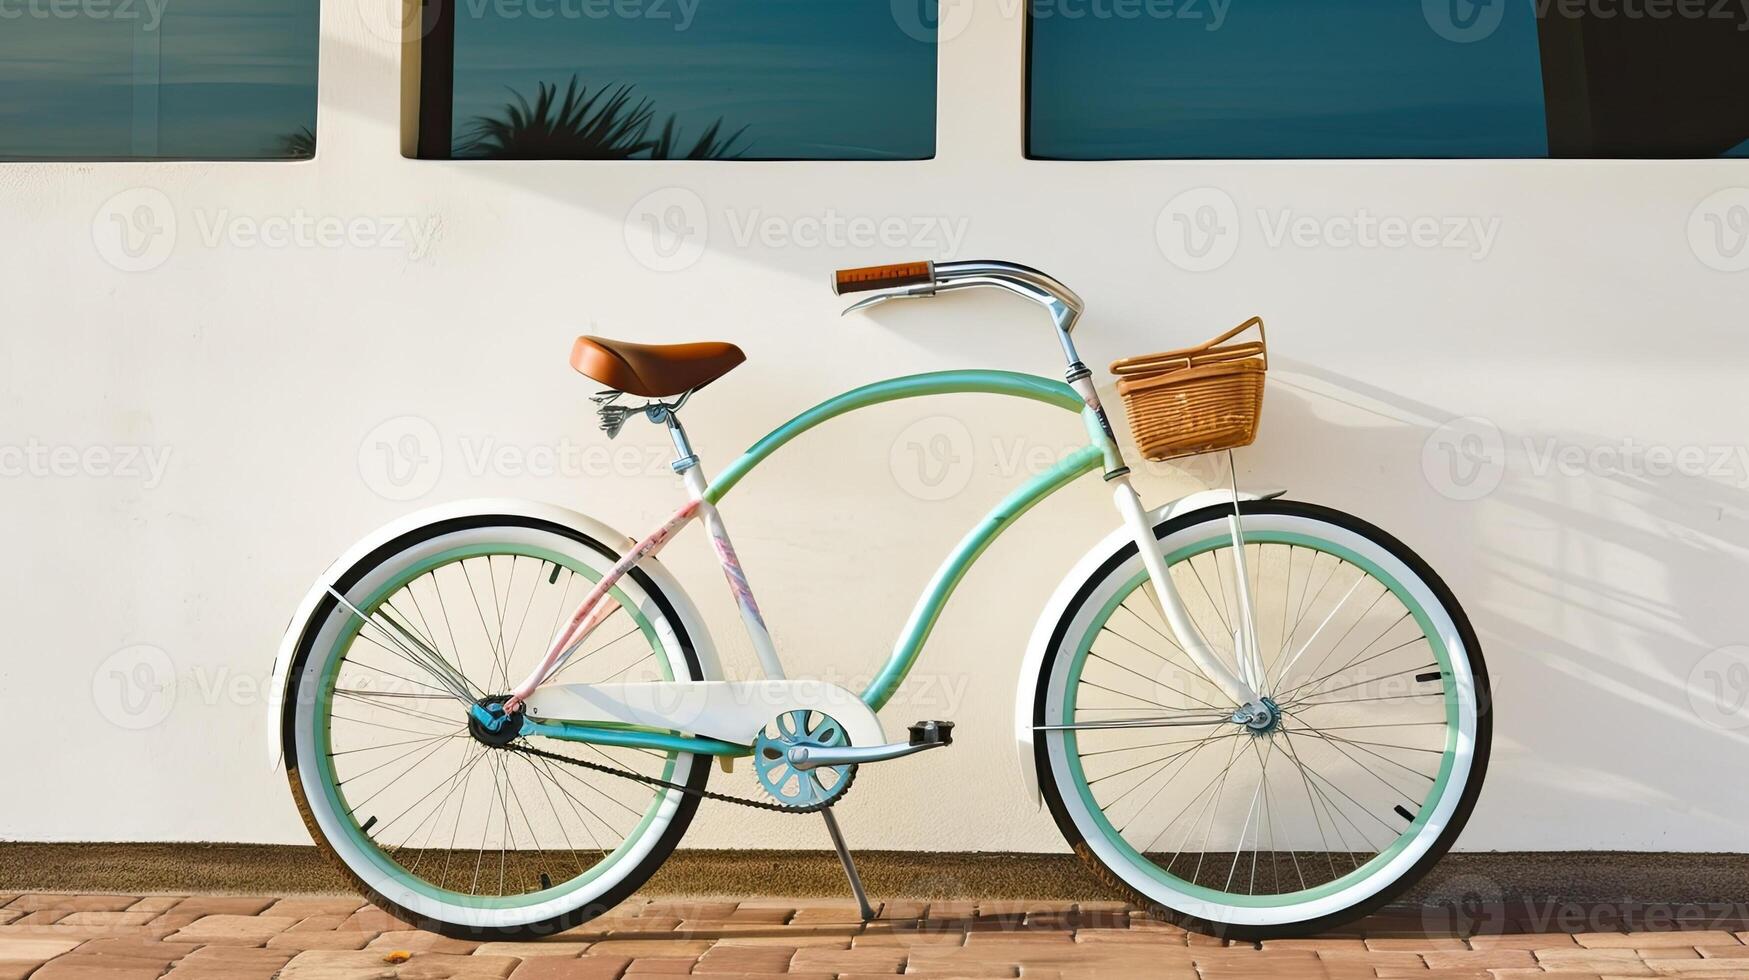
1043, 634
564, 517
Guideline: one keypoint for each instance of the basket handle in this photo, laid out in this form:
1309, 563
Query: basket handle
1262, 343
1208, 352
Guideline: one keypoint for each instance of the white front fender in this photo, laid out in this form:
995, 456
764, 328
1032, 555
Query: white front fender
1026, 691
565, 517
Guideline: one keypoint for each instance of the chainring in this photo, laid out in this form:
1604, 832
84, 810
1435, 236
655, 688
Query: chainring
794, 787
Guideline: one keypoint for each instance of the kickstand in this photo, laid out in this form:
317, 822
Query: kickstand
867, 910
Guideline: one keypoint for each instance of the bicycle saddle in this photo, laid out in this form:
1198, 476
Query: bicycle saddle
653, 370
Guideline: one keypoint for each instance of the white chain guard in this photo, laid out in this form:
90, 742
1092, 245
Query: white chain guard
733, 711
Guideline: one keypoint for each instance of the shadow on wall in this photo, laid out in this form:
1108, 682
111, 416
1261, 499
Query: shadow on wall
1530, 515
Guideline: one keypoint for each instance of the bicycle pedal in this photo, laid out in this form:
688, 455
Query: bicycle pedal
932, 733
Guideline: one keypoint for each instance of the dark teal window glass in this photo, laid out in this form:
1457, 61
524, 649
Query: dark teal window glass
1284, 79
746, 79
157, 79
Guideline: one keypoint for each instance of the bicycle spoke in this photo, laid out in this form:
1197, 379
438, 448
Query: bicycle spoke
1309, 688
1184, 694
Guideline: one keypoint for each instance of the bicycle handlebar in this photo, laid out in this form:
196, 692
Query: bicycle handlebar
910, 280
874, 277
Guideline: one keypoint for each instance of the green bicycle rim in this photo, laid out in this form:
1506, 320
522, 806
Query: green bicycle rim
323, 762
1284, 899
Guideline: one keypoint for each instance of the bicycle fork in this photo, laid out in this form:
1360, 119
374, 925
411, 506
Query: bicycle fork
1241, 684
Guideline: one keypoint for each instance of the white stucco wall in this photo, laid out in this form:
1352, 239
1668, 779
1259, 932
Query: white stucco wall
1598, 333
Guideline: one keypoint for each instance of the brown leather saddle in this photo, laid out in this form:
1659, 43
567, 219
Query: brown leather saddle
653, 370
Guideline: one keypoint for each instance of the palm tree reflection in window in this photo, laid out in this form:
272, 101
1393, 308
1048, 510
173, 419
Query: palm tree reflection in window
299, 144
604, 125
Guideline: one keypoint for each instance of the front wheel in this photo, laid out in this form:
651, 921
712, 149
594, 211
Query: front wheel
1357, 784
437, 823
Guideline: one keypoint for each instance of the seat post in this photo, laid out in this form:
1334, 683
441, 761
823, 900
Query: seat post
684, 458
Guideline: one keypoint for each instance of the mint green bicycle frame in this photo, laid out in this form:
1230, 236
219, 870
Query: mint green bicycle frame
1102, 450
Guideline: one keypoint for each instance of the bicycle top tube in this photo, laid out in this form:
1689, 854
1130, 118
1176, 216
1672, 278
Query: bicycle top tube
1028, 386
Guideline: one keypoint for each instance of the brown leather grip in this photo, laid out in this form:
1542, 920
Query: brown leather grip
882, 277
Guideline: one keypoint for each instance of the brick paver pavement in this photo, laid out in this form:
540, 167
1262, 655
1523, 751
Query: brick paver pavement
205, 937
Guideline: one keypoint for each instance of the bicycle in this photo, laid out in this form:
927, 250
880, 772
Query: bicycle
499, 716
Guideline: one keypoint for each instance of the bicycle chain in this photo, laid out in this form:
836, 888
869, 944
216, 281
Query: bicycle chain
705, 794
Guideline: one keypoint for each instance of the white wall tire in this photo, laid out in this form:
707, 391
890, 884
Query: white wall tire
661, 617
1463, 702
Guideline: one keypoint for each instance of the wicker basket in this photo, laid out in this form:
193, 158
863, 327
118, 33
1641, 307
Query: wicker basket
1200, 399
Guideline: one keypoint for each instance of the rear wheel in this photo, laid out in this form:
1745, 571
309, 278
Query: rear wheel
1361, 780
436, 820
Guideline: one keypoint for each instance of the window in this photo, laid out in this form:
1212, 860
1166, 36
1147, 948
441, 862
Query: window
1165, 79
157, 79
703, 79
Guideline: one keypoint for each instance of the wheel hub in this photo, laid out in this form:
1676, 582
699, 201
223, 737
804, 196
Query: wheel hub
787, 784
1261, 720
491, 725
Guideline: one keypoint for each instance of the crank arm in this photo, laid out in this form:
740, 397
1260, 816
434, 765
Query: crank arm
806, 757
924, 735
